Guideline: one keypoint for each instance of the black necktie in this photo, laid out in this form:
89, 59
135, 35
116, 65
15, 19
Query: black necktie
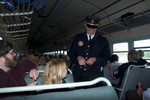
90, 38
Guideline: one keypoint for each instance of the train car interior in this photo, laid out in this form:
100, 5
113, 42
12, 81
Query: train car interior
48, 27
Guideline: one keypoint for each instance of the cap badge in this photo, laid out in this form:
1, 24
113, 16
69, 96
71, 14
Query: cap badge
80, 43
92, 22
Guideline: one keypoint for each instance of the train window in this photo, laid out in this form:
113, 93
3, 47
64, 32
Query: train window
58, 52
145, 46
61, 52
142, 43
121, 49
1, 38
65, 52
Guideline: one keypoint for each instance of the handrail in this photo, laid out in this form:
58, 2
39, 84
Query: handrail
42, 71
16, 13
53, 86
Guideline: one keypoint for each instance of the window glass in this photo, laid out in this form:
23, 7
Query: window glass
120, 46
145, 46
62, 52
142, 43
122, 57
65, 52
121, 49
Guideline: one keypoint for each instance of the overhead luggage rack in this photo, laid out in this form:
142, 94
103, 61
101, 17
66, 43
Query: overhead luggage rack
15, 21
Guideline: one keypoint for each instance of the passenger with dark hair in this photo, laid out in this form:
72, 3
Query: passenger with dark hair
41, 62
12, 73
119, 72
89, 52
113, 58
114, 61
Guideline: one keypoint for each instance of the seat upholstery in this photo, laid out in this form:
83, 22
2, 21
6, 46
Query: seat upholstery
132, 76
98, 93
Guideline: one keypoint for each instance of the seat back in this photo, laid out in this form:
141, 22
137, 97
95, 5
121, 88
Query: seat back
108, 76
97, 93
132, 76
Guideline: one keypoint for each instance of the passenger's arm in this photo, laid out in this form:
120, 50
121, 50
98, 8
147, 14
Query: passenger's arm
111, 71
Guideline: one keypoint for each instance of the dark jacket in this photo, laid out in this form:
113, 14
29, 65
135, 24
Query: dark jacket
98, 47
122, 69
142, 61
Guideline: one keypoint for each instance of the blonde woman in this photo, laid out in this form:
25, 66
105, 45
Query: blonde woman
32, 58
55, 71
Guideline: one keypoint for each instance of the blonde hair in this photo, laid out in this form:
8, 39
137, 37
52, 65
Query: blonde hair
141, 53
32, 58
53, 72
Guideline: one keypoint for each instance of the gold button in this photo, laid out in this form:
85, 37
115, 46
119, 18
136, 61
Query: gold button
86, 57
88, 46
86, 53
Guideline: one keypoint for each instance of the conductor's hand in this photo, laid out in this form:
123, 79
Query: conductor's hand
91, 61
34, 74
81, 60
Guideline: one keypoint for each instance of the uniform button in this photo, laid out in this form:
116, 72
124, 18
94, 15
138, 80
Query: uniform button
86, 58
86, 53
88, 46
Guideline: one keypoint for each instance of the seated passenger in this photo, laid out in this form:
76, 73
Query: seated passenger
42, 62
119, 72
32, 58
141, 61
114, 61
139, 94
55, 71
12, 73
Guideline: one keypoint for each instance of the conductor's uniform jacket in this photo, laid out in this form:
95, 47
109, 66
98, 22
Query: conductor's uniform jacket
98, 47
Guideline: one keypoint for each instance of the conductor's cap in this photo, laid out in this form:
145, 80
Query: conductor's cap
92, 21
